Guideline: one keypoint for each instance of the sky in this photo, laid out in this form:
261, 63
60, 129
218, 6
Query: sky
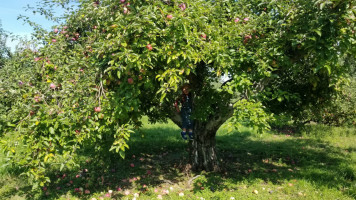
9, 12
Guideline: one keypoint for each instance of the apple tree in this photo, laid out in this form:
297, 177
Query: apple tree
5, 52
113, 61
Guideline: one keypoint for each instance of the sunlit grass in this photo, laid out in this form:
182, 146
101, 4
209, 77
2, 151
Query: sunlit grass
317, 163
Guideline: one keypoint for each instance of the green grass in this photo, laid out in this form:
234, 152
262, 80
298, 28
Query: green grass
318, 163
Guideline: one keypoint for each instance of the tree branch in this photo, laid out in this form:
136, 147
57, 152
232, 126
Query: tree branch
175, 117
222, 85
259, 86
220, 118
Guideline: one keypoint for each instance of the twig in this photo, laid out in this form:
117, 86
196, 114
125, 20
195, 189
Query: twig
192, 179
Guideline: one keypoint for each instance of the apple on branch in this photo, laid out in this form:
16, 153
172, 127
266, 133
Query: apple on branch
130, 81
203, 36
149, 47
97, 109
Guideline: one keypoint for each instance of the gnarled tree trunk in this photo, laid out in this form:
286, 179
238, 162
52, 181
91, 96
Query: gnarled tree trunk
202, 150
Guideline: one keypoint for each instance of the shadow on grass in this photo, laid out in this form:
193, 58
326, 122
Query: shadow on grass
158, 156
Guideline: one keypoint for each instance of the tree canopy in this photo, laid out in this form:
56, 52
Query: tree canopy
113, 62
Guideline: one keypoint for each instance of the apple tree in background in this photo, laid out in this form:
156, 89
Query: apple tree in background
113, 61
5, 52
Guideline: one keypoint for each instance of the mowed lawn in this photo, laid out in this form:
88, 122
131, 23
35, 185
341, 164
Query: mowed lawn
317, 163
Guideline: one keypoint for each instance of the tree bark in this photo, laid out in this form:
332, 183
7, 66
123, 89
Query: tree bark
202, 149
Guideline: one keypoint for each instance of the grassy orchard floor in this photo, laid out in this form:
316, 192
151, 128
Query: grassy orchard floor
319, 163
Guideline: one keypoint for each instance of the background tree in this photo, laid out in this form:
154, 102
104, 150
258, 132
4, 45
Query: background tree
113, 62
5, 52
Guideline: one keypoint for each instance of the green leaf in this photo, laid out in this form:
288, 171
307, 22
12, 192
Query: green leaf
328, 69
62, 166
162, 97
118, 74
322, 5
51, 130
317, 32
11, 125
122, 154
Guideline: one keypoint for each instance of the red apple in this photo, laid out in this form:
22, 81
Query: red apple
130, 80
248, 37
203, 36
182, 6
169, 16
52, 86
54, 40
55, 30
37, 99
97, 109
149, 47
126, 10
32, 113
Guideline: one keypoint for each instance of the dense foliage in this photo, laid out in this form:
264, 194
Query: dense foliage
113, 61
